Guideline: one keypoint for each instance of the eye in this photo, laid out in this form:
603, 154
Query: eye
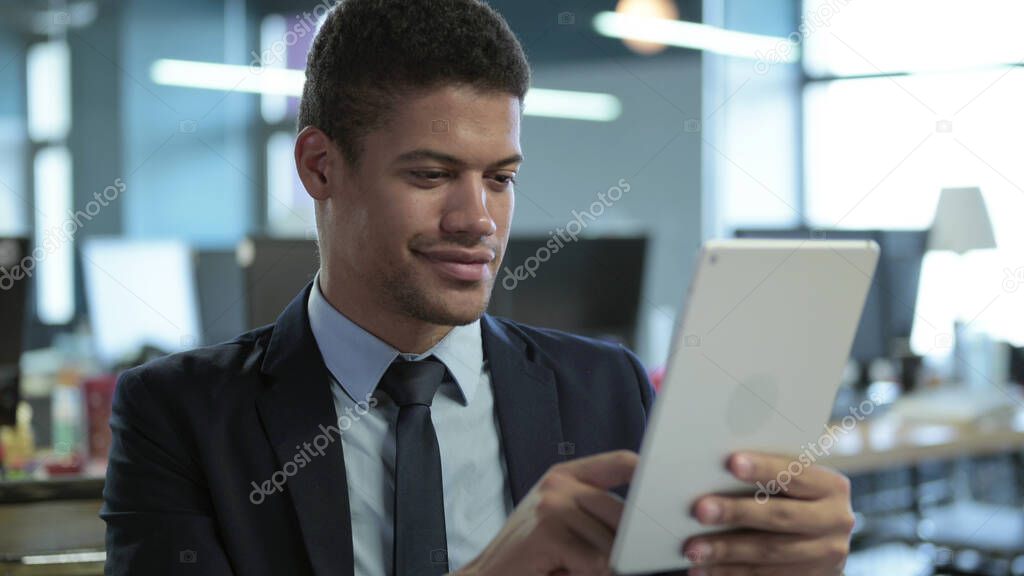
504, 179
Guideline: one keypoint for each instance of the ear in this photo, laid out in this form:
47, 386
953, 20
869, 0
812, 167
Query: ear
313, 160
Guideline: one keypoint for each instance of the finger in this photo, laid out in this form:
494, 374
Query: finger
592, 530
601, 504
577, 555
605, 470
796, 477
740, 547
556, 505
784, 515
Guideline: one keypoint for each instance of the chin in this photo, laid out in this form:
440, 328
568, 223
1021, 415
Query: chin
443, 315
457, 309
443, 305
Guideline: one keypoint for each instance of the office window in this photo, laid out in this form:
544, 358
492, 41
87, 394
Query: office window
941, 111
753, 158
284, 42
273, 54
53, 251
858, 37
878, 151
48, 86
750, 124
49, 91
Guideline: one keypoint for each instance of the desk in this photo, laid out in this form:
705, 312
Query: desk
54, 516
894, 441
890, 442
57, 488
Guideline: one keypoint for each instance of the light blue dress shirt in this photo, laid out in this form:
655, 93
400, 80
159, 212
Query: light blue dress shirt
477, 498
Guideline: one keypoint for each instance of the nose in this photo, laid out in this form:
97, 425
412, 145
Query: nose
466, 209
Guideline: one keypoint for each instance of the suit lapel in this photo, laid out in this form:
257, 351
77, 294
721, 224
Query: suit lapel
295, 407
526, 400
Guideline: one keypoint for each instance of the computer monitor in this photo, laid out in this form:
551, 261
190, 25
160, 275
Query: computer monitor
1016, 370
890, 306
13, 300
220, 286
591, 286
275, 270
902, 255
140, 294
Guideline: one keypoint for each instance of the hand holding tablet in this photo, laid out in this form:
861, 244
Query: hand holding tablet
804, 529
755, 365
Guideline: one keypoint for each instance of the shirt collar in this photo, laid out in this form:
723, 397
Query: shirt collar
358, 359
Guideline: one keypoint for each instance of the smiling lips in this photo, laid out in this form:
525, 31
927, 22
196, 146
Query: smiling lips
467, 265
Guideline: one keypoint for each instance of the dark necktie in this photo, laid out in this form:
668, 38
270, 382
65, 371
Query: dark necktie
420, 545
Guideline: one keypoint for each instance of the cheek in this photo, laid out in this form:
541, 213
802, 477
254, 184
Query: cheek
356, 233
501, 209
397, 222
362, 225
501, 212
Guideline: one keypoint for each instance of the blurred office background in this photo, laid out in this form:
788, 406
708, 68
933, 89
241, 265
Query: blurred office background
149, 204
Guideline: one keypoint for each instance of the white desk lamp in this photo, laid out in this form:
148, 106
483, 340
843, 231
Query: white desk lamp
961, 225
961, 222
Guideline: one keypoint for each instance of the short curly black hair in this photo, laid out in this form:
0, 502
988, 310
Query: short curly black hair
369, 53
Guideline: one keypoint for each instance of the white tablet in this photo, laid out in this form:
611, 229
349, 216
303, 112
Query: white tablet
756, 361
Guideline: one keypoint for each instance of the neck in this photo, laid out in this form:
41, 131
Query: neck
406, 334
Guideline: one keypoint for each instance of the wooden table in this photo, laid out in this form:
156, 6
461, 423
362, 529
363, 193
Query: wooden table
891, 441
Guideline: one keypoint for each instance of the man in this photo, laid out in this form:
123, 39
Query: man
385, 424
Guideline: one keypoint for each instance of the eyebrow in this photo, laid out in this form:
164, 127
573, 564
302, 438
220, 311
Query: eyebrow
428, 154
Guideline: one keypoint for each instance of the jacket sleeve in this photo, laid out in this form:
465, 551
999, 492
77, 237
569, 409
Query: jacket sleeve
646, 390
158, 512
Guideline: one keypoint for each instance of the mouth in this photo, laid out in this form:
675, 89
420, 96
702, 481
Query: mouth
460, 264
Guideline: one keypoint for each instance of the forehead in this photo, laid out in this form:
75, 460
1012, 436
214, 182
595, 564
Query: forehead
477, 126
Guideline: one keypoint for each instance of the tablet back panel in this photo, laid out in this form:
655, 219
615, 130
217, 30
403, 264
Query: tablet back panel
755, 365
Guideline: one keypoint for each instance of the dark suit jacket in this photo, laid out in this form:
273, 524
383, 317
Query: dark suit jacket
193, 432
